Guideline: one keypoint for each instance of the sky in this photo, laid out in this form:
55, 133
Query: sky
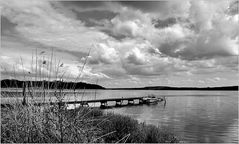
122, 43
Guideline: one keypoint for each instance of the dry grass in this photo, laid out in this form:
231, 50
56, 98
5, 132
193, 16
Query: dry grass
54, 124
24, 122
51, 124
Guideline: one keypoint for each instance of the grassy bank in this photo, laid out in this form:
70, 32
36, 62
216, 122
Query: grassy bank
56, 124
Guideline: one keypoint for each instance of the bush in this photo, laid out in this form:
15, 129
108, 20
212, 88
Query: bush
154, 134
126, 129
119, 125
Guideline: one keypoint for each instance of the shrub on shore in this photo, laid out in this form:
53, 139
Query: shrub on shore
130, 130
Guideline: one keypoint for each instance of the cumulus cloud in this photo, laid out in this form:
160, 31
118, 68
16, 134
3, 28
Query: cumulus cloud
207, 32
103, 53
128, 40
131, 23
136, 57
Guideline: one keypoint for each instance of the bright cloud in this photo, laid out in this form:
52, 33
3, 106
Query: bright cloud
129, 42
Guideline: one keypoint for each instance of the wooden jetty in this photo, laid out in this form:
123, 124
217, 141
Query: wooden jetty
103, 102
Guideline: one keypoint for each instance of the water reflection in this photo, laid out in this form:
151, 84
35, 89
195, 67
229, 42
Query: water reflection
195, 119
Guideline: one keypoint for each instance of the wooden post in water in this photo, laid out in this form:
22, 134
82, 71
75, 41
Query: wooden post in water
118, 103
24, 102
103, 104
141, 101
164, 105
130, 102
84, 104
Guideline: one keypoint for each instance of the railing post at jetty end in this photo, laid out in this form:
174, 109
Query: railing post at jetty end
103, 104
130, 101
84, 104
141, 101
118, 103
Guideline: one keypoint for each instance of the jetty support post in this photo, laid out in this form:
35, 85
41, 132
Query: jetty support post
24, 101
84, 104
130, 101
119, 102
141, 101
164, 99
103, 104
61, 104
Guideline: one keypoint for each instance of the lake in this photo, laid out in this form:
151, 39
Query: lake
194, 116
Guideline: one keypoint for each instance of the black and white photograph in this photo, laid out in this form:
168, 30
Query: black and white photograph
110, 71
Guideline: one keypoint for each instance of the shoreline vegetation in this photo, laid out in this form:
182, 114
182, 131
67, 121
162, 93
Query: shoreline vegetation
13, 83
56, 124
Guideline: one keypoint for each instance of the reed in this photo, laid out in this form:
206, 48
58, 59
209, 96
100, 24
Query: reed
24, 122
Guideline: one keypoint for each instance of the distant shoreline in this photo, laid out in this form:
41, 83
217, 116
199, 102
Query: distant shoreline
225, 88
12, 83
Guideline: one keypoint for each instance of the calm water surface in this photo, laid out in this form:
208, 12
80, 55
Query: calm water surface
194, 116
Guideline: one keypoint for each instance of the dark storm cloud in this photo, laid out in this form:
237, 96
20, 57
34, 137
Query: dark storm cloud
89, 17
234, 8
147, 6
97, 15
134, 60
141, 70
161, 23
194, 52
84, 4
163, 9
99, 60
116, 36
89, 12
6, 26
115, 72
76, 54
